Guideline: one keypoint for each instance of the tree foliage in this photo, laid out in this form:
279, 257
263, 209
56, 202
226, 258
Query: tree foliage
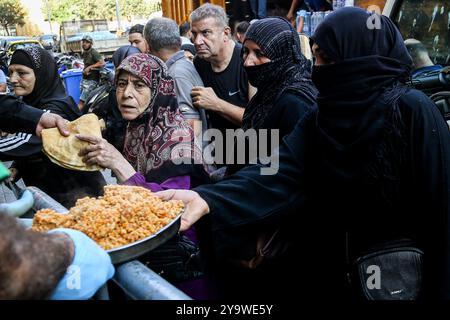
66, 10
11, 13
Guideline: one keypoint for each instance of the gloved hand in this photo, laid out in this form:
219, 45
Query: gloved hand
90, 269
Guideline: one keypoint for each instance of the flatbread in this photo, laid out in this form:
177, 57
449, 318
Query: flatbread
64, 150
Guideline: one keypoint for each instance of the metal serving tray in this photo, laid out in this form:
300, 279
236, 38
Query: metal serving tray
134, 250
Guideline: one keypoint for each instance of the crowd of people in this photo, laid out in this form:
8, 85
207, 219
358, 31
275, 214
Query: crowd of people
364, 161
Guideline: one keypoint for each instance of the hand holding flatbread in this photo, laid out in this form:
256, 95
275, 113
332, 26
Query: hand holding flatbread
101, 152
64, 151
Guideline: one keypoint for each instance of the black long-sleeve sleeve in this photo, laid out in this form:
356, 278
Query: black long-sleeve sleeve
288, 109
249, 197
430, 140
17, 116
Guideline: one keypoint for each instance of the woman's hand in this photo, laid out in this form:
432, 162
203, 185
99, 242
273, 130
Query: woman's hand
195, 208
104, 154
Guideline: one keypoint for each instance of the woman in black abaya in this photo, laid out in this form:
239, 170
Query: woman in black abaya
34, 75
374, 165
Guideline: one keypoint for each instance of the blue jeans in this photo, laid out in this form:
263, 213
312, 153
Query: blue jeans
259, 8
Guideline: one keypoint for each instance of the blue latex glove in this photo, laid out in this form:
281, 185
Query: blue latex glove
90, 269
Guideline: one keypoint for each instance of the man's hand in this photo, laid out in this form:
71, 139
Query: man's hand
51, 120
291, 17
87, 71
205, 98
291, 14
196, 207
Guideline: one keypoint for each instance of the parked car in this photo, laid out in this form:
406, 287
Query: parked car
427, 22
7, 52
20, 44
48, 41
4, 41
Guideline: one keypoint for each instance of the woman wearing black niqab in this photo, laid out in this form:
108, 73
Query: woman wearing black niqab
285, 92
48, 93
287, 72
381, 150
274, 64
373, 166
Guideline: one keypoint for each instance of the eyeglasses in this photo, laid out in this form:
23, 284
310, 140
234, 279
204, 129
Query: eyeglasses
137, 85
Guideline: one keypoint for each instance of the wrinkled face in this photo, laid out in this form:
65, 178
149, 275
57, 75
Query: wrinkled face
253, 55
133, 95
209, 38
22, 78
86, 45
137, 40
189, 55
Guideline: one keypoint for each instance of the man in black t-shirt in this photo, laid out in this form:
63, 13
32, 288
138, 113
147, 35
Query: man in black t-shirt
218, 62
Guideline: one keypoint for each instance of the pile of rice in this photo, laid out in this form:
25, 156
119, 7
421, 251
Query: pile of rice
124, 214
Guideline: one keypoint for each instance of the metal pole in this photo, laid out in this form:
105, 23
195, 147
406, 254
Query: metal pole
49, 16
119, 27
141, 283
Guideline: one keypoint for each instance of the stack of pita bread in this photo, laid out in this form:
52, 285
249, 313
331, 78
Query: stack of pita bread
64, 150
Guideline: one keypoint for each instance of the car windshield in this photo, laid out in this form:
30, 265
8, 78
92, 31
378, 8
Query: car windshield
22, 45
427, 21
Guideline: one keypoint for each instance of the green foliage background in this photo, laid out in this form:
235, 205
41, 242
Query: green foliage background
66, 10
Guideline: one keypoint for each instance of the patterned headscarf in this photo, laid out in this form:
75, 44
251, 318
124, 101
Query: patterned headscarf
160, 136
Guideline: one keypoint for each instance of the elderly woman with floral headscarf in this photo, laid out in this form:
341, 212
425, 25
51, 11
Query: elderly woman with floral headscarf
159, 150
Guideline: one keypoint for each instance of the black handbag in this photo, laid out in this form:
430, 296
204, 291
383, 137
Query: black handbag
176, 260
391, 272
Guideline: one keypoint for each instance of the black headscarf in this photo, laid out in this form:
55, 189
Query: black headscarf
358, 93
123, 52
65, 186
287, 70
49, 92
